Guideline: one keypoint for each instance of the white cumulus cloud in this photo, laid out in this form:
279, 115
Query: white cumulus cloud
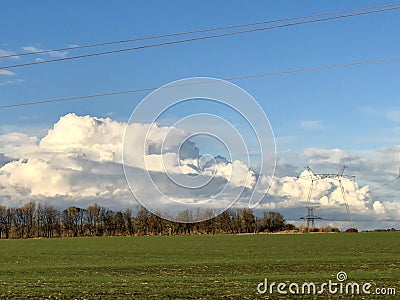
81, 157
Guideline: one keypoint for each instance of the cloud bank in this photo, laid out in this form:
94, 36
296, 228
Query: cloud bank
79, 161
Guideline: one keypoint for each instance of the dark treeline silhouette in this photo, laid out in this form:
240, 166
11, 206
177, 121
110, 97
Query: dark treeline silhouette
45, 221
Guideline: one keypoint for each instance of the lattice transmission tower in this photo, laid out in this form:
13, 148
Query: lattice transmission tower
309, 216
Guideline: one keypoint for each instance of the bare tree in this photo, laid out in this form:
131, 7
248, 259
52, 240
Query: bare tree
93, 221
107, 219
272, 222
141, 221
51, 224
72, 219
28, 212
119, 223
225, 222
5, 222
128, 221
18, 222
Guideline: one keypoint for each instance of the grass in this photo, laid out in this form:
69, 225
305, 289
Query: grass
192, 267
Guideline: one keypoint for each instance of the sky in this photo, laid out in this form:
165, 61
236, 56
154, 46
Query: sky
323, 119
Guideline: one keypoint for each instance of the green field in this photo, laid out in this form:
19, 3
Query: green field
193, 267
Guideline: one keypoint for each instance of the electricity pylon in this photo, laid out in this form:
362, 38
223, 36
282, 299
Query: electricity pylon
309, 216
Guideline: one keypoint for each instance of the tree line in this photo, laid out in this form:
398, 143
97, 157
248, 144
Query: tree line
45, 221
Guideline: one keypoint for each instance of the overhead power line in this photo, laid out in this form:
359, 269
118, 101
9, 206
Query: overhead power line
198, 38
387, 194
197, 31
75, 98
384, 184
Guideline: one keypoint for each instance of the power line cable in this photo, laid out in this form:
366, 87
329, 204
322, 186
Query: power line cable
386, 194
384, 184
202, 82
195, 31
196, 39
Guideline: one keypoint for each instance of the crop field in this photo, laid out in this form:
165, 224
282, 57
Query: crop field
194, 267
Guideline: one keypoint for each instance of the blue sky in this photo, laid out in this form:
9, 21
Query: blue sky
352, 109
351, 104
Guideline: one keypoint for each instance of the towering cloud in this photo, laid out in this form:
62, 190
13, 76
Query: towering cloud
81, 156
